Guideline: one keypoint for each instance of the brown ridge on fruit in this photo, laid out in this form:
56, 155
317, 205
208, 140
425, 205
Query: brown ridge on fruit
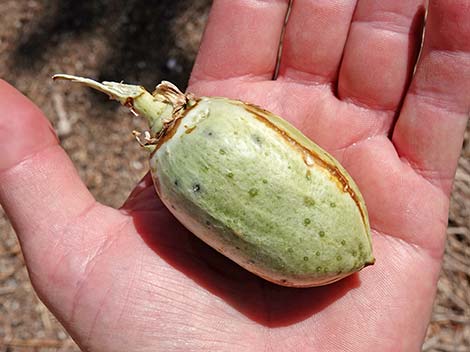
336, 173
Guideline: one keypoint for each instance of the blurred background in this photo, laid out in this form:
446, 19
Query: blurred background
142, 41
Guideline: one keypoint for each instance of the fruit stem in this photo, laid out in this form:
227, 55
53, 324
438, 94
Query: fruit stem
157, 109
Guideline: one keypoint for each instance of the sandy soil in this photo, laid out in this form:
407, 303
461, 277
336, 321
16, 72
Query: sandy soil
142, 41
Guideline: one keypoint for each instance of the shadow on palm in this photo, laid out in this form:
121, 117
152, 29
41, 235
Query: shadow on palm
259, 300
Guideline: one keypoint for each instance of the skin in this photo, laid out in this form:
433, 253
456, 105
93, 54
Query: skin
134, 279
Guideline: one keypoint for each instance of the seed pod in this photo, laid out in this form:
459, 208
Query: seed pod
250, 185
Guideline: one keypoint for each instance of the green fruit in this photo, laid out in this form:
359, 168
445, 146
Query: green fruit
251, 185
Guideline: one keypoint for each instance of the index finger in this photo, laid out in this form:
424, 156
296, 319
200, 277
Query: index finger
241, 39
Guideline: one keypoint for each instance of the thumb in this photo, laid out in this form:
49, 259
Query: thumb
48, 205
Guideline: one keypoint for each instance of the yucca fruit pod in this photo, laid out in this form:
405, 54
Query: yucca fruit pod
250, 185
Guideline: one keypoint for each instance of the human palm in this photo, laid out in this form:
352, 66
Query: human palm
134, 279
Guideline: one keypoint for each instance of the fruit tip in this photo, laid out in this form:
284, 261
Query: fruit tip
62, 76
370, 262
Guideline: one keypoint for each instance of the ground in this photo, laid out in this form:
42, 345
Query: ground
142, 41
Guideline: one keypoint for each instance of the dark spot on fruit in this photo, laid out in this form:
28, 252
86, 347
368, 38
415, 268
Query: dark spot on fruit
208, 223
305, 259
317, 253
205, 168
222, 152
333, 205
290, 250
265, 181
237, 248
251, 261
307, 221
318, 269
339, 258
256, 139
173, 206
343, 242
230, 175
196, 188
322, 233
176, 182
253, 192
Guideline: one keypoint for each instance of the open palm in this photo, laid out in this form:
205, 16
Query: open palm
135, 280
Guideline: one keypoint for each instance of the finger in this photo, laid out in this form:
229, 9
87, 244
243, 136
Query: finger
241, 38
314, 40
430, 128
39, 187
380, 52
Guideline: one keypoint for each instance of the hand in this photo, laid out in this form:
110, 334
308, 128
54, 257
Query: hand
135, 280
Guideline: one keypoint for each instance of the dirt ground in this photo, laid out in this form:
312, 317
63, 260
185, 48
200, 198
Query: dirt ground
142, 41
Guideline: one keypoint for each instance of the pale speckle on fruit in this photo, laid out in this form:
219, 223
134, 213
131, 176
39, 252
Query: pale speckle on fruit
309, 201
253, 192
